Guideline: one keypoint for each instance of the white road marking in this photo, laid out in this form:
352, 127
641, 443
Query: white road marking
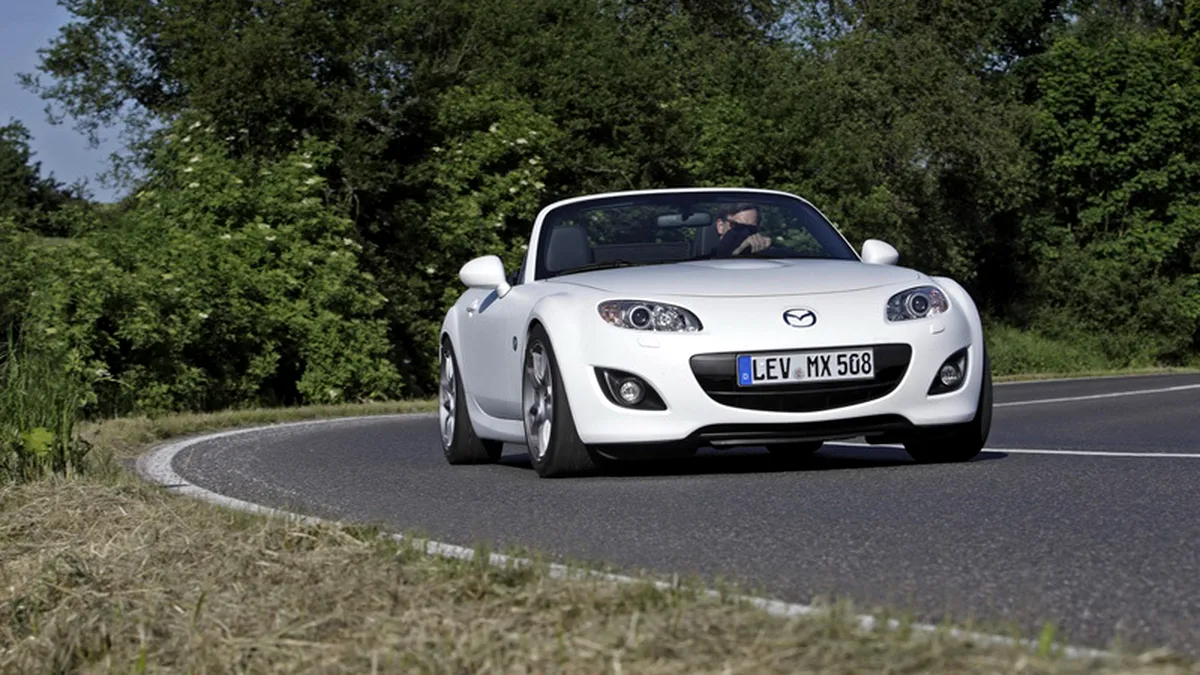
1041, 451
1089, 397
156, 466
1096, 453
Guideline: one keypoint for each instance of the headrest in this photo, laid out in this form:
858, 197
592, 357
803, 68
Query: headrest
705, 242
569, 248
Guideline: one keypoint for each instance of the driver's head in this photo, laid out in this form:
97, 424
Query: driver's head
736, 214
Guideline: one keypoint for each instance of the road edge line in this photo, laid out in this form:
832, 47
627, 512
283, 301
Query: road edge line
156, 466
1096, 397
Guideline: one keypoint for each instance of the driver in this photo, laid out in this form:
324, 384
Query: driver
738, 227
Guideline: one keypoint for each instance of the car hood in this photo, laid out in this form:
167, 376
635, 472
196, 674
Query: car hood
748, 277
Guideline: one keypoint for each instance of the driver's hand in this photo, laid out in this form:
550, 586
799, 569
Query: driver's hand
754, 243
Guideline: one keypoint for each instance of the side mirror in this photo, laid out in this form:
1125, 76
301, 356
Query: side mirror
485, 272
876, 252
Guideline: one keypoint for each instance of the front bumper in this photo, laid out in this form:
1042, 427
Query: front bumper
692, 375
876, 429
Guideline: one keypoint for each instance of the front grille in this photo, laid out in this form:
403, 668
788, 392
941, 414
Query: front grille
717, 376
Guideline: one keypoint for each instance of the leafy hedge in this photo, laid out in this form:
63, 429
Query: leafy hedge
221, 283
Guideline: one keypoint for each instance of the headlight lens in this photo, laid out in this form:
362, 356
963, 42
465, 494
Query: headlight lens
653, 316
917, 303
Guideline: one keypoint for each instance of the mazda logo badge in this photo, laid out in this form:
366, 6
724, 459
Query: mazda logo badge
800, 318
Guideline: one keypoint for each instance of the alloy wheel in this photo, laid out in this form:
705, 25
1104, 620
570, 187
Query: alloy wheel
449, 399
538, 400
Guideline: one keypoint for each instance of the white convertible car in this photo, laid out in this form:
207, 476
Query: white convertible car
657, 322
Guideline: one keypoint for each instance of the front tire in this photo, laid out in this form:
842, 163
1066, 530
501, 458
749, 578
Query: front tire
460, 445
555, 449
962, 442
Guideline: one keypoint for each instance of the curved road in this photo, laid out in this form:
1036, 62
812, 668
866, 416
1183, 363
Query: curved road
1104, 545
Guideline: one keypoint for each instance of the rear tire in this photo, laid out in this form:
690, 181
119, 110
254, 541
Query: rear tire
460, 445
555, 449
962, 442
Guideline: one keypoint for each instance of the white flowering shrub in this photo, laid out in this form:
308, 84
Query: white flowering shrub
221, 283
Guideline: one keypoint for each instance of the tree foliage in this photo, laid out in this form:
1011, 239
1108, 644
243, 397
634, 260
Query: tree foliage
1118, 136
1042, 151
222, 282
26, 196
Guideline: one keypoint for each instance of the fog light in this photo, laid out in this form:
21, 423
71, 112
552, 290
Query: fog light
631, 392
950, 375
628, 390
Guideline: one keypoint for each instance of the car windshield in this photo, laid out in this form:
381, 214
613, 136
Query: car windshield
651, 229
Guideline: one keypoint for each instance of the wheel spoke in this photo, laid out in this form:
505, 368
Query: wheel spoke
448, 393
544, 436
539, 367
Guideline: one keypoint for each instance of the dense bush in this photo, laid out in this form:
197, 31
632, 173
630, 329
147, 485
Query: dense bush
1117, 235
1014, 351
220, 283
487, 183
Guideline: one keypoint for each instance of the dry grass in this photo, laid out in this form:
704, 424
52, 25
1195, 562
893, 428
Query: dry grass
100, 576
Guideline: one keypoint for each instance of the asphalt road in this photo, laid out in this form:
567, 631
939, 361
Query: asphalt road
1104, 546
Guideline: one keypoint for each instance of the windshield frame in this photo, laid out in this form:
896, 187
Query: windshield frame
539, 270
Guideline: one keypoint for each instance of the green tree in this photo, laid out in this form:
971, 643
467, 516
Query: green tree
26, 197
898, 130
1118, 237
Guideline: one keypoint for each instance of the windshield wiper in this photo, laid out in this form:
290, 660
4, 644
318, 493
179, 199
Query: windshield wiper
608, 264
781, 255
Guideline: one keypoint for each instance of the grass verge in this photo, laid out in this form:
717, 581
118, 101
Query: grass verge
39, 404
1030, 354
1116, 372
116, 576
102, 573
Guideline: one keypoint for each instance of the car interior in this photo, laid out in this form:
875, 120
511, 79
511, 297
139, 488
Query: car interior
570, 247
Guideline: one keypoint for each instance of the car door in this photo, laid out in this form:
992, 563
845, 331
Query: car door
493, 334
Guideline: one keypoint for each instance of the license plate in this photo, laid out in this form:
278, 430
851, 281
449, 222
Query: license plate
794, 367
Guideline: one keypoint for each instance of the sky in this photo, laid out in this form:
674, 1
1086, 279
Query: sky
25, 26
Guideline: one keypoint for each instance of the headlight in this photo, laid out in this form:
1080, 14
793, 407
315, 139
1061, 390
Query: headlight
654, 316
917, 303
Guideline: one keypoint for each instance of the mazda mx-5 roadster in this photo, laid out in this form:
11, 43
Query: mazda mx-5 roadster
655, 323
